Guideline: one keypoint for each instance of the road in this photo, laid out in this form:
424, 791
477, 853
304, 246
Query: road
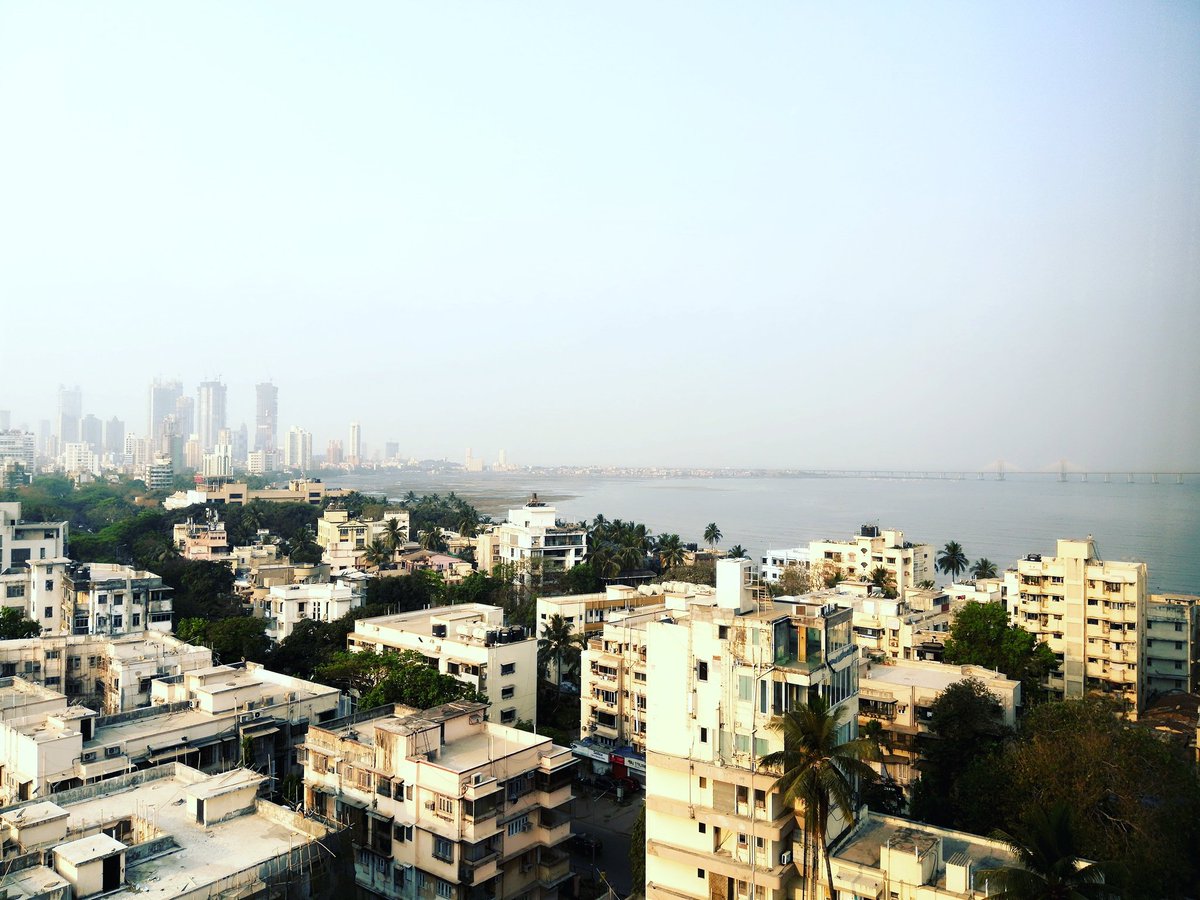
610, 823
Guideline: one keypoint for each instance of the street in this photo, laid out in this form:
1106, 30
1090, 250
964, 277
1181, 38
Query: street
610, 823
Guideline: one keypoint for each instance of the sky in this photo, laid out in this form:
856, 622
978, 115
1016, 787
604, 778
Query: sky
698, 234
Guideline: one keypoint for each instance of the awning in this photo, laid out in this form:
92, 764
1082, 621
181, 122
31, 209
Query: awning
860, 884
102, 766
158, 756
347, 800
259, 732
210, 741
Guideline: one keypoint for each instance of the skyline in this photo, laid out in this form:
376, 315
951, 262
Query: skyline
682, 236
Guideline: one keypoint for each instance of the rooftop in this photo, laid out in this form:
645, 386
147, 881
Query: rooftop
935, 676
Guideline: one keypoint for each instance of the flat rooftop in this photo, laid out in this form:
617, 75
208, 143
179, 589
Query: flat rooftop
37, 881
492, 744
864, 847
929, 675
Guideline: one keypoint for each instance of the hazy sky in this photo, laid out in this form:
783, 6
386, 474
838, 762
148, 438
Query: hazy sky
699, 234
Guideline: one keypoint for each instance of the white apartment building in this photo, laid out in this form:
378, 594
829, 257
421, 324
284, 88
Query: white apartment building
206, 717
900, 696
159, 474
1171, 645
79, 457
775, 561
171, 831
110, 599
286, 605
890, 857
22, 542
1091, 613
218, 462
469, 642
205, 540
893, 628
717, 675
856, 557
442, 803
110, 675
19, 447
297, 449
532, 542
588, 613
344, 540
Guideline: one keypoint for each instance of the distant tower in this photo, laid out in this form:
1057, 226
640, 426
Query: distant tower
114, 436
185, 416
163, 398
70, 412
5, 420
91, 432
297, 453
266, 417
333, 453
354, 449
210, 412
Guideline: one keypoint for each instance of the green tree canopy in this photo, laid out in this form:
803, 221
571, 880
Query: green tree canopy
382, 678
14, 625
1049, 865
231, 639
982, 636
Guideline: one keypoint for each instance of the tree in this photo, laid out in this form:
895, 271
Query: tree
884, 579
982, 636
383, 678
231, 639
1050, 863
793, 581
637, 850
712, 534
983, 568
431, 539
395, 535
951, 559
737, 551
14, 626
670, 551
302, 548
377, 554
559, 642
816, 773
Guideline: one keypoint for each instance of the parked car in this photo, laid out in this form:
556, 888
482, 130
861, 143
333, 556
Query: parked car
567, 687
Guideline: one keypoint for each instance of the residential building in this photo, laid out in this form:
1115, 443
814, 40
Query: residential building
452, 569
210, 412
22, 542
896, 629
886, 856
266, 417
77, 458
205, 540
163, 398
333, 453
218, 463
286, 605
900, 694
775, 561
343, 540
443, 803
209, 718
1171, 645
260, 462
110, 675
160, 474
354, 447
19, 446
297, 452
111, 599
171, 831
35, 589
587, 613
855, 558
532, 542
70, 413
1092, 614
716, 824
470, 642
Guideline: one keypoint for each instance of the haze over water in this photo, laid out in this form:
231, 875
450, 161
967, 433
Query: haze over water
1002, 520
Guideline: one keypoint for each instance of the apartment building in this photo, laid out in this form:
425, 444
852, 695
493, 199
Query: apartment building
19, 447
443, 803
210, 718
774, 562
111, 599
532, 542
897, 629
886, 856
287, 605
1092, 614
716, 677
1171, 645
170, 831
108, 674
204, 540
857, 557
344, 540
899, 694
469, 642
588, 613
22, 542
299, 490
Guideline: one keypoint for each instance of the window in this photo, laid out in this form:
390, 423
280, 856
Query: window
702, 828
518, 825
745, 687
137, 619
443, 849
118, 621
508, 668
702, 671
508, 716
704, 735
49, 613
49, 584
446, 806
445, 888
742, 840
703, 782
699, 873
506, 693
402, 833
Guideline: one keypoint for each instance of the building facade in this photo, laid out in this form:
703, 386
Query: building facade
1171, 645
110, 599
22, 542
532, 542
855, 559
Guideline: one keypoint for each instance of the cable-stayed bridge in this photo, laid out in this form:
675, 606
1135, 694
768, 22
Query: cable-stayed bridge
1063, 470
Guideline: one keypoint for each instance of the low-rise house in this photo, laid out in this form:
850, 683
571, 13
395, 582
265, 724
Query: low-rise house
469, 642
451, 568
775, 562
344, 540
442, 803
169, 832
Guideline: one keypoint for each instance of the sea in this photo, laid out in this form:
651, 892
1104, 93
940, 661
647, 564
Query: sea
1157, 523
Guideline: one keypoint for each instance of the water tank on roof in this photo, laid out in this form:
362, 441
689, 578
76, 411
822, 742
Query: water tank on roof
439, 630
517, 633
489, 638
871, 531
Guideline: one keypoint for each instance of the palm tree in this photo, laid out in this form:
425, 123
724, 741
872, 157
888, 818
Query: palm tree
884, 579
559, 640
816, 773
410, 498
395, 535
874, 732
377, 554
712, 534
1050, 866
951, 559
737, 551
983, 568
431, 538
670, 551
467, 526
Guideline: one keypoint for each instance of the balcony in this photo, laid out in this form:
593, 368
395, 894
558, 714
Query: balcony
553, 868
555, 826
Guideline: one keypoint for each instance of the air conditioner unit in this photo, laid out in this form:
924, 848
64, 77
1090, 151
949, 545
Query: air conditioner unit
785, 857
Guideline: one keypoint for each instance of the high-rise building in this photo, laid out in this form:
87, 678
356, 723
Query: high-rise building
114, 436
391, 449
5, 420
333, 453
266, 416
297, 453
354, 448
18, 446
241, 443
218, 463
185, 416
70, 412
210, 412
91, 431
163, 397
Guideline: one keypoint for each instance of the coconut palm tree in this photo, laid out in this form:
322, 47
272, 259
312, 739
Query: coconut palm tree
377, 554
670, 551
559, 642
884, 579
468, 526
1050, 865
395, 535
983, 568
952, 560
712, 534
737, 551
431, 538
816, 773
410, 499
